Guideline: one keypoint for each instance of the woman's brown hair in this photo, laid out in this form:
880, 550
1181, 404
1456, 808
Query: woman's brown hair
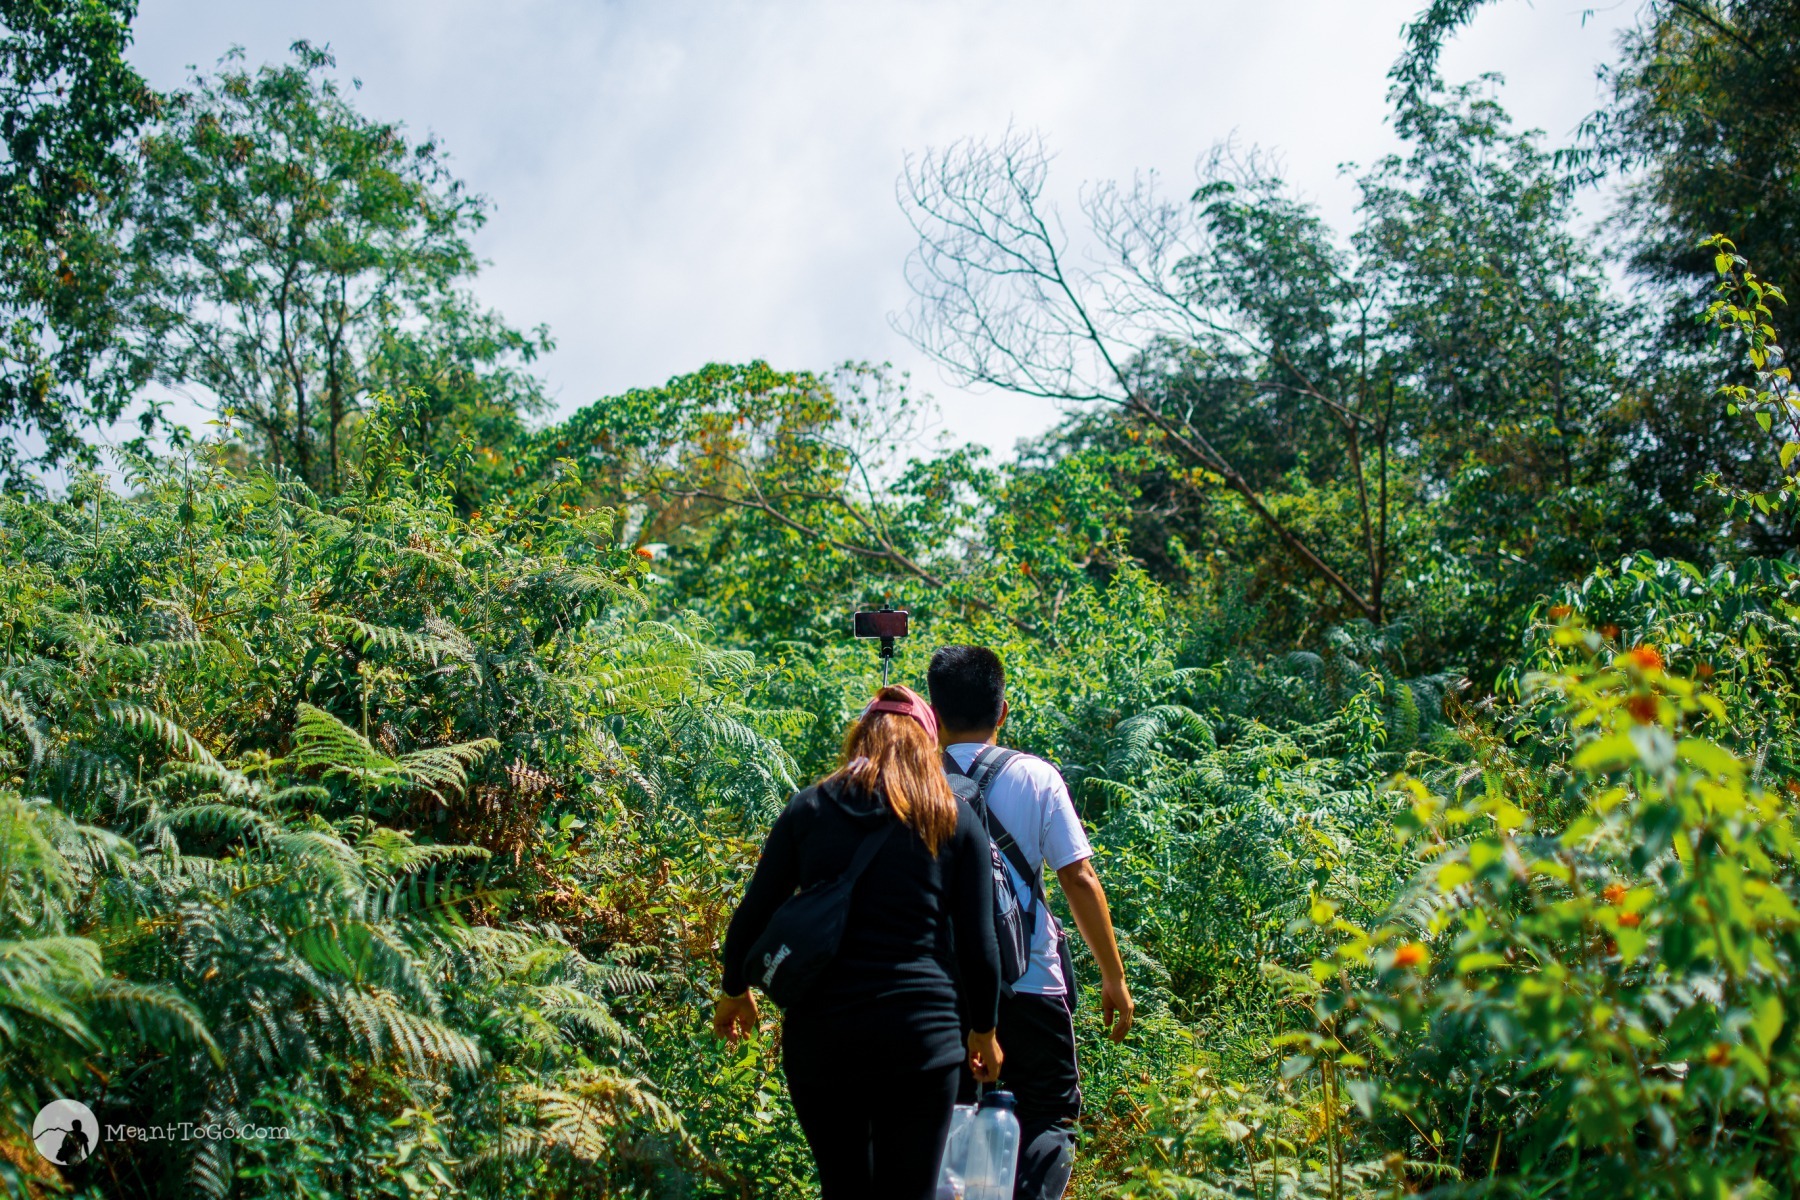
890, 754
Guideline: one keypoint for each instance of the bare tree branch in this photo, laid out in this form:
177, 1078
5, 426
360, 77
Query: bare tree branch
999, 302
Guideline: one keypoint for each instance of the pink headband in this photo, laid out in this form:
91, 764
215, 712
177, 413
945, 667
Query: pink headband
914, 706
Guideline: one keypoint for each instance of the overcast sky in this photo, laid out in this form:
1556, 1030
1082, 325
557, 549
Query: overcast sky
676, 183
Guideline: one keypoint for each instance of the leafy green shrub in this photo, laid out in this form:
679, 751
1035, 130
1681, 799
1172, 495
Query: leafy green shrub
319, 812
1594, 989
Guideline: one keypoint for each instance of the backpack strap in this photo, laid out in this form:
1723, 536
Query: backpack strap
865, 853
987, 764
960, 783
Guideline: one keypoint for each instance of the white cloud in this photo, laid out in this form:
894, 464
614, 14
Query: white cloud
682, 182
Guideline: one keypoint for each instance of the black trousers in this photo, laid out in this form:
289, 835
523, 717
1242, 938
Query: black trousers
1037, 1044
877, 1137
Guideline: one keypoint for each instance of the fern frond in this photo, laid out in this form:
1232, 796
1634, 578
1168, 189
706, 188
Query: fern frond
324, 743
160, 1015
368, 636
173, 737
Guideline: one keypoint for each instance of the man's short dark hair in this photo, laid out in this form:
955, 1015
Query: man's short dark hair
967, 685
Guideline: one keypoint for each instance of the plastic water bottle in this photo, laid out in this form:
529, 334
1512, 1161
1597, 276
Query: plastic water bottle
956, 1154
993, 1149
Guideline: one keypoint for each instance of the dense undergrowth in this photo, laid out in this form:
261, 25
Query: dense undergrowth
414, 832
1413, 616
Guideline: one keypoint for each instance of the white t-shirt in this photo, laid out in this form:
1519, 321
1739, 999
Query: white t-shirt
1029, 798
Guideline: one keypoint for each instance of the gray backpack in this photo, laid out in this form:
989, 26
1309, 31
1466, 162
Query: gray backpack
1014, 928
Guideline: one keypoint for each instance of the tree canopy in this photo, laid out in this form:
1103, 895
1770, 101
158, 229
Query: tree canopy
67, 100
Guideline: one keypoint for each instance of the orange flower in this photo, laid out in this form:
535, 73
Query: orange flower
1642, 709
1559, 611
1645, 658
645, 552
1614, 892
1630, 920
1610, 632
1718, 1054
1409, 955
1704, 670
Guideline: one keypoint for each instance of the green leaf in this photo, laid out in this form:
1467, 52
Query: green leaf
1766, 1020
1710, 758
1482, 960
1453, 875
1606, 754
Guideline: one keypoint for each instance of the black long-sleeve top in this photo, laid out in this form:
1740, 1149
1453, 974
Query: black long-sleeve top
918, 929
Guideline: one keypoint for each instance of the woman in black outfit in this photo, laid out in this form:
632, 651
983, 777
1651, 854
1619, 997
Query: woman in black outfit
873, 1049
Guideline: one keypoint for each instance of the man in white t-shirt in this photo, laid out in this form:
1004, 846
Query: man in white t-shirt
1027, 799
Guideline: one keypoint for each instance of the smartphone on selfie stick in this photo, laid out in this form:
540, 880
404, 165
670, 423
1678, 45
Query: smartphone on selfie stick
888, 624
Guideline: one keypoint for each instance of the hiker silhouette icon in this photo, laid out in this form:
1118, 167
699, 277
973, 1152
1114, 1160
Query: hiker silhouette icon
65, 1132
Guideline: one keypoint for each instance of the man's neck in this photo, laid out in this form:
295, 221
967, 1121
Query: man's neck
971, 737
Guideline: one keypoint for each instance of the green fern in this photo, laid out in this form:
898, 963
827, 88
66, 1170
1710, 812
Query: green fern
326, 744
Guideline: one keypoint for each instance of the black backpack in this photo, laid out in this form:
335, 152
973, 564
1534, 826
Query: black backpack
803, 935
1014, 928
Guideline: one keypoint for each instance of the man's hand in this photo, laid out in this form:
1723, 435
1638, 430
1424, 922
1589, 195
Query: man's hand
985, 1056
1116, 1008
736, 1017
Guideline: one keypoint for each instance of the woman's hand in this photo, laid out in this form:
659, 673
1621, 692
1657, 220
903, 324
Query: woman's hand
736, 1017
985, 1056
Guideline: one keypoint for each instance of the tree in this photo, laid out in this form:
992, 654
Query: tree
67, 99
1703, 125
283, 244
1701, 133
773, 490
1706, 118
463, 381
1000, 302
1269, 359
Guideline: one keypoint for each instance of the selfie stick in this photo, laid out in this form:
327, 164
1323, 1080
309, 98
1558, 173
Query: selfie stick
888, 626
